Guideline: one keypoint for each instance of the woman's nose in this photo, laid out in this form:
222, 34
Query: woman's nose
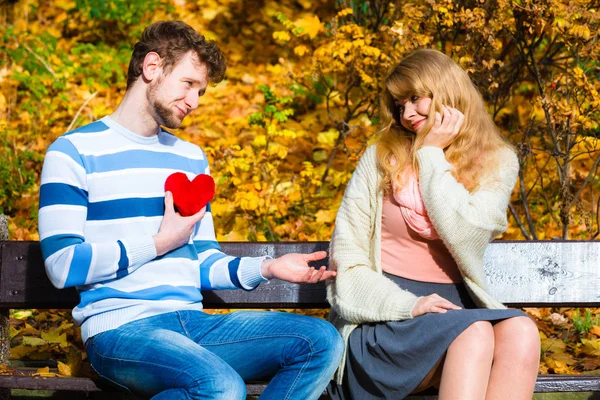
409, 110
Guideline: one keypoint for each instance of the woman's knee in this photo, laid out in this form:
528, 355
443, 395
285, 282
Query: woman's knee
518, 339
477, 339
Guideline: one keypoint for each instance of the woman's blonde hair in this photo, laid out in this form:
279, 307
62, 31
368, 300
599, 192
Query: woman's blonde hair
430, 73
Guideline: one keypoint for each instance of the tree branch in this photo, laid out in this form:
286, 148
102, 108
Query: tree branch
81, 109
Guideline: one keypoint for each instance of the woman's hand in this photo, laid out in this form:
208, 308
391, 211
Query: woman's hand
445, 128
433, 303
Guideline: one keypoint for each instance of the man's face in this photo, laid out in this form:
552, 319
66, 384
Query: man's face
171, 97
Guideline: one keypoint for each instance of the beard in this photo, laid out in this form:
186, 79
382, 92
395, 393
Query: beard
162, 113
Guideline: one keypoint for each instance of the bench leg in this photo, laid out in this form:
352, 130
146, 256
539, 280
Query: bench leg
4, 337
4, 347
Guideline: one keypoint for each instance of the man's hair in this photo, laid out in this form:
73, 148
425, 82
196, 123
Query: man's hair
171, 40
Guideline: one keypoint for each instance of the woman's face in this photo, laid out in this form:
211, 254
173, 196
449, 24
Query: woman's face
413, 112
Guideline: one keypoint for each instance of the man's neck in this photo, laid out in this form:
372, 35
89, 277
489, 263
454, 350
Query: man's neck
132, 113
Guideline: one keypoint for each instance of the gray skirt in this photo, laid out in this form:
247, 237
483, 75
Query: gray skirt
388, 360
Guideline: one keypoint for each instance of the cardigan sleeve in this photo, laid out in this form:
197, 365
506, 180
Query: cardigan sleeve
360, 293
466, 219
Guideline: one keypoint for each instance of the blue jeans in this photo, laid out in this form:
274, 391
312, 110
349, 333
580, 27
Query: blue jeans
193, 355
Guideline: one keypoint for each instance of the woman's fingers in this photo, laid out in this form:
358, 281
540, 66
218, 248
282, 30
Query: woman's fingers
446, 119
445, 128
433, 303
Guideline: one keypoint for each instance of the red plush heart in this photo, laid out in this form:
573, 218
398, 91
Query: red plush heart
190, 197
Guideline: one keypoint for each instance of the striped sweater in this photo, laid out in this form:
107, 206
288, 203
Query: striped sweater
101, 202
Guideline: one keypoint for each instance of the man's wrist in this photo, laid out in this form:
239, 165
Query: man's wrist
159, 244
265, 268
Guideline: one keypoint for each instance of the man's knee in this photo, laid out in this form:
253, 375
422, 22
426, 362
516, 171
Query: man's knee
219, 386
326, 344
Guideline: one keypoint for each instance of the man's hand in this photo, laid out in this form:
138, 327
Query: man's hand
433, 303
294, 268
174, 230
445, 128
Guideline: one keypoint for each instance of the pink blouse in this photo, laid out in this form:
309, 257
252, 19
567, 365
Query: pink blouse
405, 253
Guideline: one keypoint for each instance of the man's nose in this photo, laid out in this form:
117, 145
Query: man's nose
191, 100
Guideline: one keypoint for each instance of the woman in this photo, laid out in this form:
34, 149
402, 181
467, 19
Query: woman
410, 297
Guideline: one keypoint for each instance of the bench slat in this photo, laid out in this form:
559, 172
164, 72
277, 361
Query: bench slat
526, 274
544, 384
560, 273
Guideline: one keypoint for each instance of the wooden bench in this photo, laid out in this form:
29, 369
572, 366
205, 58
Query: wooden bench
524, 274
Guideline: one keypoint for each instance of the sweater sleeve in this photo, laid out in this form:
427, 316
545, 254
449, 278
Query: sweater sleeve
360, 293
461, 217
69, 259
218, 270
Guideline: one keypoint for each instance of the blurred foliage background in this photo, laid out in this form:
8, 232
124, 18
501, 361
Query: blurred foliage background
299, 106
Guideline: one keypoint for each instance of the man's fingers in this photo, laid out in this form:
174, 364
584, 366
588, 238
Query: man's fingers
328, 275
316, 277
169, 208
199, 215
317, 255
308, 275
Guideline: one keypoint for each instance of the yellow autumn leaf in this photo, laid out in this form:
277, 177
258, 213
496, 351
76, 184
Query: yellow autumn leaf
310, 25
345, 11
281, 35
33, 341
19, 352
43, 370
298, 50
328, 137
282, 152
559, 367
55, 337
553, 345
45, 373
325, 216
64, 369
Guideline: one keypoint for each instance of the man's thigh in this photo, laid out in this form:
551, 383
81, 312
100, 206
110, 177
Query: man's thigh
154, 355
257, 343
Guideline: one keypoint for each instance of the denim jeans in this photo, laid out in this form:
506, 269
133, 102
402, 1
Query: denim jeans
194, 355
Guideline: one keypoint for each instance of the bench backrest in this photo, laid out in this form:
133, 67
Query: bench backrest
527, 274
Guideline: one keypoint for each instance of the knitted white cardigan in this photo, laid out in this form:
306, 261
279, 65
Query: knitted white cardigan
466, 222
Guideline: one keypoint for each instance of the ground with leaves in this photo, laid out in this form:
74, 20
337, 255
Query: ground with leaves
570, 340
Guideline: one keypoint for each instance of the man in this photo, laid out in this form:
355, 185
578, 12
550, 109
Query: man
108, 228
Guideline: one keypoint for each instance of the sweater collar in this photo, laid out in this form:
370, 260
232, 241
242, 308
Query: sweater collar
134, 137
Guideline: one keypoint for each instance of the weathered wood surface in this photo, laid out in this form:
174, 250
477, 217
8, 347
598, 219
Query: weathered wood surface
519, 273
560, 273
4, 321
544, 384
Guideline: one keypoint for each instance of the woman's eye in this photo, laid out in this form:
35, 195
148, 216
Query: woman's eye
414, 98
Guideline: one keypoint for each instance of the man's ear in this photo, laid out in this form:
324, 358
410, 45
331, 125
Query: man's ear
151, 68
